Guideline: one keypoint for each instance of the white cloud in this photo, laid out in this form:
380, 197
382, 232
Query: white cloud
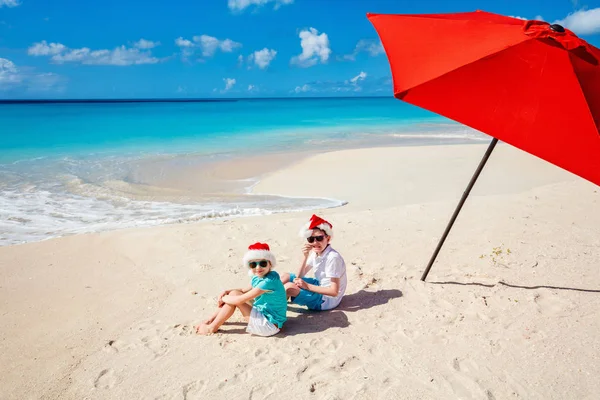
262, 58
120, 56
9, 74
537, 17
9, 3
145, 44
359, 77
186, 47
582, 22
181, 42
229, 45
240, 5
303, 89
229, 82
315, 48
12, 77
373, 47
44, 49
359, 83
209, 45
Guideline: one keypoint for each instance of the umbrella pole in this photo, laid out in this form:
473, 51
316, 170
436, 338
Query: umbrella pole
459, 206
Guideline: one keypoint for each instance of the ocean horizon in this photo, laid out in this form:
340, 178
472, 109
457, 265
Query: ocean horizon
177, 99
74, 166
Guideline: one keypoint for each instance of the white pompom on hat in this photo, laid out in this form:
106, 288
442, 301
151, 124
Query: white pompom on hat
259, 251
316, 222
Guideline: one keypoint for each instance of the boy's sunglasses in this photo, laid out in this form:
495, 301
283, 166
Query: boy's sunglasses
262, 264
319, 238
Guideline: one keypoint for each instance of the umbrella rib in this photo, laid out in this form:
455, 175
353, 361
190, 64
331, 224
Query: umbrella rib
591, 114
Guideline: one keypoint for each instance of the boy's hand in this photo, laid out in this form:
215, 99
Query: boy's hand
306, 249
301, 283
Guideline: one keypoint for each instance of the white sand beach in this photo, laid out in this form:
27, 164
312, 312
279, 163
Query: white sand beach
511, 308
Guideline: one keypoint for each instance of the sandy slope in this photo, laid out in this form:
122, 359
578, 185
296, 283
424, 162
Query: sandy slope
108, 316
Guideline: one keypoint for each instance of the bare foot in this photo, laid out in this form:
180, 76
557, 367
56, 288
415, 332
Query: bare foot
203, 329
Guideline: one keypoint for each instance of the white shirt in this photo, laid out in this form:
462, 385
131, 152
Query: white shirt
329, 264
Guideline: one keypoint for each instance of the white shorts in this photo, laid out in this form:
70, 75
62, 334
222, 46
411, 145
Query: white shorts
260, 325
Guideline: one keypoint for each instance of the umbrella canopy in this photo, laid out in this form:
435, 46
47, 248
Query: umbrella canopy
533, 85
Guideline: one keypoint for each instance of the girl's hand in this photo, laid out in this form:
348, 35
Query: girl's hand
306, 249
226, 299
220, 298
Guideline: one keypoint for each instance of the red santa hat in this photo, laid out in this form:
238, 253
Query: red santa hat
316, 223
259, 251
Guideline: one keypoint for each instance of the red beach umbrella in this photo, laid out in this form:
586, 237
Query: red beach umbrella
531, 84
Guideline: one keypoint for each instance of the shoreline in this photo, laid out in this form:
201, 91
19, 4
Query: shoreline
235, 173
183, 190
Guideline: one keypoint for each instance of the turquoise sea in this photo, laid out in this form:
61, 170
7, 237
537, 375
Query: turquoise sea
70, 167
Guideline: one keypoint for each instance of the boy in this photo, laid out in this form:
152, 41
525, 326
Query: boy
326, 289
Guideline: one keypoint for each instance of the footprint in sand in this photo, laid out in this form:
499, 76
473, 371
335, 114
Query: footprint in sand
496, 347
456, 364
467, 379
157, 345
193, 390
112, 346
183, 330
118, 346
326, 344
348, 365
262, 355
105, 380
261, 351
238, 378
310, 370
145, 325
552, 304
261, 392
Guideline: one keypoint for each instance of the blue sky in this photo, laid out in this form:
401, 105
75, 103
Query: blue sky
220, 48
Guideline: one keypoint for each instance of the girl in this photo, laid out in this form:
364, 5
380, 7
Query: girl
268, 312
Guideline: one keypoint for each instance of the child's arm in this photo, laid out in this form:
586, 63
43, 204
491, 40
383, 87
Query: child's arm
226, 292
331, 290
306, 251
243, 298
334, 270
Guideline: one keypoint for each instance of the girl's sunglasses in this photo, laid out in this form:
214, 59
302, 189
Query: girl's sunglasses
262, 264
319, 238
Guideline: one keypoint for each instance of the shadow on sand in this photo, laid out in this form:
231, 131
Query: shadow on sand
515, 286
318, 321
